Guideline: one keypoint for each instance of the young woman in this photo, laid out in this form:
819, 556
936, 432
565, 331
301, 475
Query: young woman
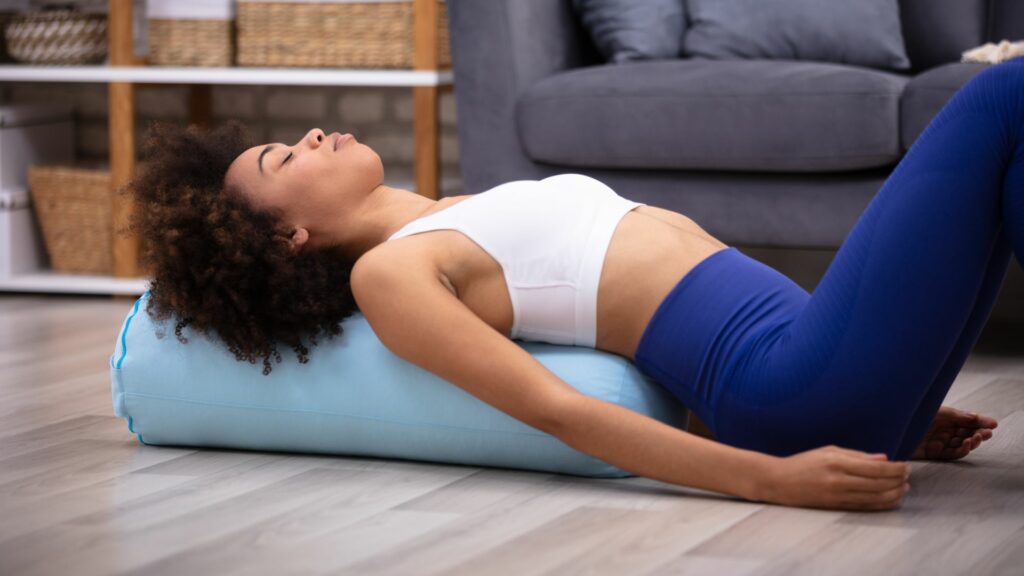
814, 399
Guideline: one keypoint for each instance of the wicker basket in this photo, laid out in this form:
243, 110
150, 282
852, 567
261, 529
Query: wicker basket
73, 205
332, 34
5, 18
191, 32
57, 37
191, 42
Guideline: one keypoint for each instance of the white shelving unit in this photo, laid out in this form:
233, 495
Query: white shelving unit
47, 281
228, 75
123, 71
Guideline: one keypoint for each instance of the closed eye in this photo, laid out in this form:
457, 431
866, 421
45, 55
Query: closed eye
286, 158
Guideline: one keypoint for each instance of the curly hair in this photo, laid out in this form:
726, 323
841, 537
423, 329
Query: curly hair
213, 258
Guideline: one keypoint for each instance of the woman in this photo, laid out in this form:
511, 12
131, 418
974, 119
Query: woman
815, 400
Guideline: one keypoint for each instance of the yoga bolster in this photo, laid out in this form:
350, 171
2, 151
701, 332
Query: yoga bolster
353, 398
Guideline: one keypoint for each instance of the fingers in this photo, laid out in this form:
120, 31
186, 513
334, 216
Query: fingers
877, 500
871, 466
873, 485
858, 453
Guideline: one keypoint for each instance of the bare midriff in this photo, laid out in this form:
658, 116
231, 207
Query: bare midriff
651, 250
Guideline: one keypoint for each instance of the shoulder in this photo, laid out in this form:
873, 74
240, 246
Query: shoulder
408, 258
385, 257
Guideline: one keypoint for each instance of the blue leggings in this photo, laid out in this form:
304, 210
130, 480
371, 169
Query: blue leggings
866, 360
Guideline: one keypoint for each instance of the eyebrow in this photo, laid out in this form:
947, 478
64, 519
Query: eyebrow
259, 161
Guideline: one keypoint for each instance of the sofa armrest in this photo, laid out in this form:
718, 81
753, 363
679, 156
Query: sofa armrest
935, 32
499, 49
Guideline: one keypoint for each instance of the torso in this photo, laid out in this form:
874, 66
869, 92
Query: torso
657, 245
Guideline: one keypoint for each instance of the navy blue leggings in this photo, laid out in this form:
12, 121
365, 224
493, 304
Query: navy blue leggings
866, 360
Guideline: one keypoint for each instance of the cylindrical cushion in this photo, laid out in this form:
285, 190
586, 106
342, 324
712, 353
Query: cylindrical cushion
353, 398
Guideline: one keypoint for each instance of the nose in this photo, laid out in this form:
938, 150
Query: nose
316, 136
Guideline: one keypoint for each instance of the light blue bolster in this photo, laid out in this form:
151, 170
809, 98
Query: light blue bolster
353, 398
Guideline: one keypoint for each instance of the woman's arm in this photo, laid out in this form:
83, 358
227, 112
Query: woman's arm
650, 448
418, 319
828, 477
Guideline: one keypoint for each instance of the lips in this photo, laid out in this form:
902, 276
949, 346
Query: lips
340, 139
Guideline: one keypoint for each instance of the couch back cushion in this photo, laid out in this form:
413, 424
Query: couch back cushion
938, 31
697, 114
1007, 20
860, 33
626, 30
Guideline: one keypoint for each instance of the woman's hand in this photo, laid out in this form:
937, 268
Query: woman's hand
837, 478
953, 434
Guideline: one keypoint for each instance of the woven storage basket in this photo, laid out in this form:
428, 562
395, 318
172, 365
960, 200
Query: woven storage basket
191, 42
191, 32
57, 37
73, 205
332, 34
5, 18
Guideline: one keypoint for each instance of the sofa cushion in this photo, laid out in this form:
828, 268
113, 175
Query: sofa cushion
927, 93
626, 30
861, 33
719, 115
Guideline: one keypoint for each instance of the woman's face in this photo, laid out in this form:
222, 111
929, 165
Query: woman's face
313, 183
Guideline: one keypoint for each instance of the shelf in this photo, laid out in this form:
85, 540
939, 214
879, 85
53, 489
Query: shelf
123, 71
226, 75
54, 282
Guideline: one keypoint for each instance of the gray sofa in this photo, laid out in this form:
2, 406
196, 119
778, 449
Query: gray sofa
759, 153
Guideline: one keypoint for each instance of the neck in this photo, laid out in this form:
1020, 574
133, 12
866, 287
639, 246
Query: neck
382, 213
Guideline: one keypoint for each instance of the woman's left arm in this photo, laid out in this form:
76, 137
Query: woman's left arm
418, 319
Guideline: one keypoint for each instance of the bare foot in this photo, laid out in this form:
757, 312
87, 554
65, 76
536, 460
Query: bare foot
953, 434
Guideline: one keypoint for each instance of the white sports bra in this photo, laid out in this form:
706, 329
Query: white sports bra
550, 237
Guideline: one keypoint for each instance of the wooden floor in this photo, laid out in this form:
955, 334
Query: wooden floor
79, 494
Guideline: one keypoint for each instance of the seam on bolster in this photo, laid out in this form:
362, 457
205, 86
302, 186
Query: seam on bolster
124, 333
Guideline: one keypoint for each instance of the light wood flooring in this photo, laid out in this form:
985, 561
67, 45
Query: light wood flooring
80, 495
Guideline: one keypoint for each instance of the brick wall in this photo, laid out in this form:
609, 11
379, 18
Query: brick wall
382, 118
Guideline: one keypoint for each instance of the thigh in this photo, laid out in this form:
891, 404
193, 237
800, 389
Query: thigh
855, 364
